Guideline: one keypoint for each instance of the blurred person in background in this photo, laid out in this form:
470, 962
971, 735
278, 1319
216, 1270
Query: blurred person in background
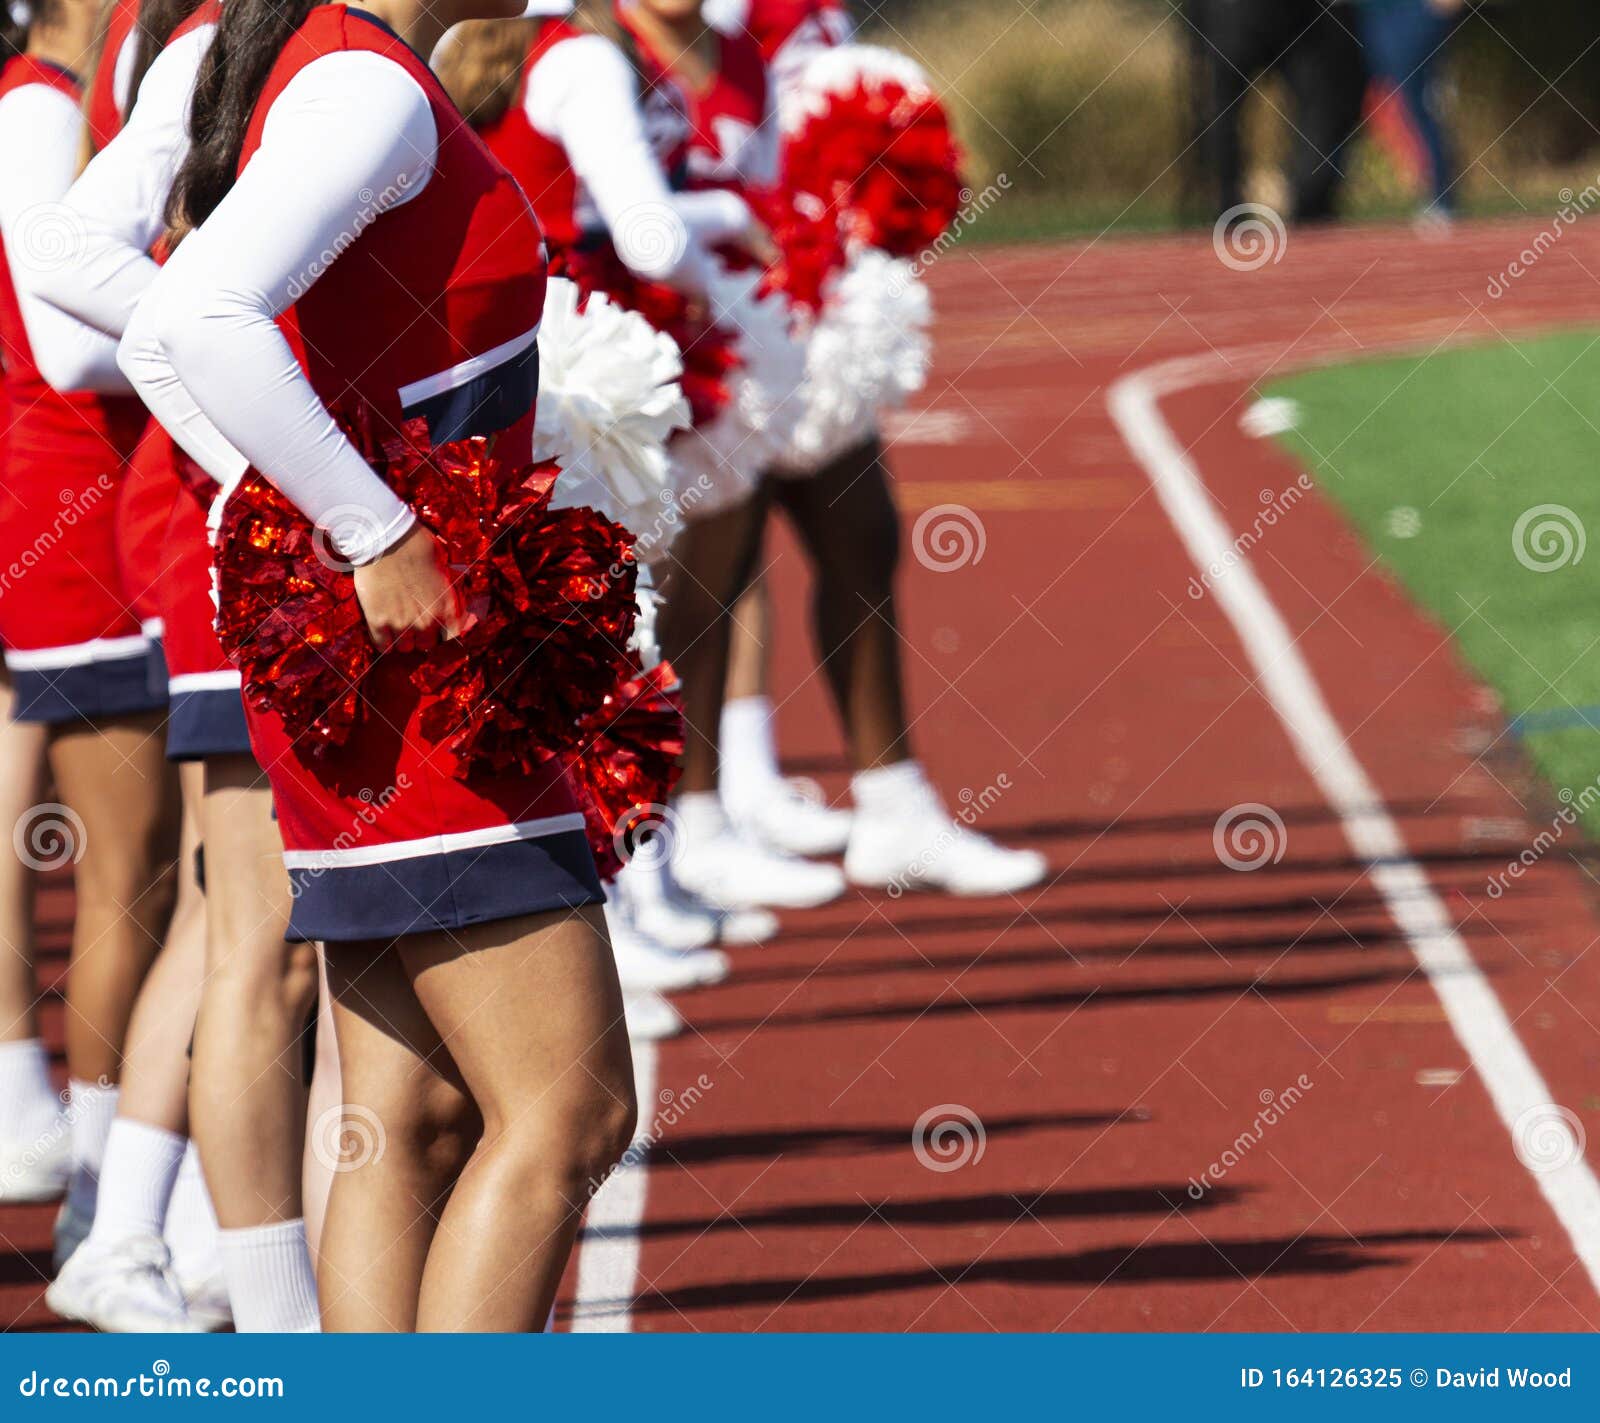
1313, 46
1405, 43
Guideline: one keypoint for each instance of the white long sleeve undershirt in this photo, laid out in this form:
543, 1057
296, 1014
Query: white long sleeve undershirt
120, 201
584, 95
41, 129
352, 135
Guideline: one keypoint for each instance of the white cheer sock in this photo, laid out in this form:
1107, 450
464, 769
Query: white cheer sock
92, 1108
29, 1107
191, 1228
136, 1180
748, 752
888, 791
270, 1283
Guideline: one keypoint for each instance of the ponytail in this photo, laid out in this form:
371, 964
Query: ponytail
480, 64
250, 36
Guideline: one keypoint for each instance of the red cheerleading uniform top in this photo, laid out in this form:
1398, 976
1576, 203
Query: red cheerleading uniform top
432, 312
40, 423
539, 163
724, 117
101, 109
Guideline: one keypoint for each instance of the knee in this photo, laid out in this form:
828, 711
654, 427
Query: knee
571, 1153
261, 968
429, 1126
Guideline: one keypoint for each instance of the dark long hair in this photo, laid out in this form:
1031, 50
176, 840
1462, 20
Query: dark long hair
250, 37
157, 20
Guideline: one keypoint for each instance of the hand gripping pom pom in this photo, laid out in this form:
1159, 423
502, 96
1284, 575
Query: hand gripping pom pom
549, 597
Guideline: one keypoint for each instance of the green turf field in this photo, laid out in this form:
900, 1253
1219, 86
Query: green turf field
1475, 474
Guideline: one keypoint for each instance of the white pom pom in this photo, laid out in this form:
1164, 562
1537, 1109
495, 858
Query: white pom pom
609, 399
869, 352
721, 462
839, 70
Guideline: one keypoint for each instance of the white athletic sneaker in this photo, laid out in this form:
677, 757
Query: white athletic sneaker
729, 871
665, 911
792, 816
31, 1172
125, 1287
645, 966
71, 1230
929, 850
746, 926
650, 1017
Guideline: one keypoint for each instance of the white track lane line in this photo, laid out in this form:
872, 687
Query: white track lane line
608, 1250
1519, 1093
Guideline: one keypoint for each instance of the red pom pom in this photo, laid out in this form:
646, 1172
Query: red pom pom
882, 158
709, 352
549, 596
810, 245
628, 759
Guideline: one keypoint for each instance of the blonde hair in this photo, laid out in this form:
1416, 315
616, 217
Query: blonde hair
481, 61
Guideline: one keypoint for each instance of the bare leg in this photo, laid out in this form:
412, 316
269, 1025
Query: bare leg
410, 1129
247, 1097
115, 777
532, 1011
749, 641
556, 1092
155, 1083
711, 563
22, 753
322, 1105
848, 523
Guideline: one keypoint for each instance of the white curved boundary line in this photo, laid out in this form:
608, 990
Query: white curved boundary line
1475, 1012
608, 1250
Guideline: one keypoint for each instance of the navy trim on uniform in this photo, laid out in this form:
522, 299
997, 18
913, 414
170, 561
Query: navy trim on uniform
86, 692
207, 722
448, 891
485, 405
156, 668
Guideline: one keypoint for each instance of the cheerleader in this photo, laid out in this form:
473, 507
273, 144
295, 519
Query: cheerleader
240, 1088
347, 242
729, 147
78, 659
34, 1154
557, 101
842, 510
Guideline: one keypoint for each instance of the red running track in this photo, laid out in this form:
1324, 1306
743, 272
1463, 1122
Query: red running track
1113, 1035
